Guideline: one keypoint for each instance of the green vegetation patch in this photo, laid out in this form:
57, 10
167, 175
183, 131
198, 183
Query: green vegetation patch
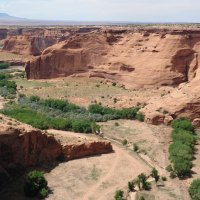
182, 148
7, 88
4, 65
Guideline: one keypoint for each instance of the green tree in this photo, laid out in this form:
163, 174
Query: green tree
119, 195
144, 183
35, 184
131, 186
194, 190
154, 174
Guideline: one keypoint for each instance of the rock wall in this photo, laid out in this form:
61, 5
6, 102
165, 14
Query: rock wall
21, 148
134, 58
137, 58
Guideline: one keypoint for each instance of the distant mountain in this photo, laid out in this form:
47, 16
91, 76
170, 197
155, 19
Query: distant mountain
5, 16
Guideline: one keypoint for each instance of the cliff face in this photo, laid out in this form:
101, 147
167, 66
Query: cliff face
28, 45
21, 148
135, 58
30, 41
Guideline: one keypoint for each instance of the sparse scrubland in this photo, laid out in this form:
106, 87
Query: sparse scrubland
62, 115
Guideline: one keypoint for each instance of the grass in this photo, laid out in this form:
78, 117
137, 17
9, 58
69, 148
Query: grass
4, 65
95, 173
83, 91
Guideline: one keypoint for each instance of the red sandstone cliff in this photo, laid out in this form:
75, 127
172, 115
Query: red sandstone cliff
24, 147
135, 58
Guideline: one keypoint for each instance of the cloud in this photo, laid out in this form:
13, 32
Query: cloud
109, 10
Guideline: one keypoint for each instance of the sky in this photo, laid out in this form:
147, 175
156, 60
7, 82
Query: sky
105, 10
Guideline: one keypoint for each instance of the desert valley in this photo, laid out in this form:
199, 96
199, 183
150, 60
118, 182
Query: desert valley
103, 112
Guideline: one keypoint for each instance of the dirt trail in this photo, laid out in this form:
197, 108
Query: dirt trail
94, 189
121, 167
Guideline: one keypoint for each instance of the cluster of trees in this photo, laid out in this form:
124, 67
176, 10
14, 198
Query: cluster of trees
4, 65
141, 182
36, 185
182, 148
125, 113
7, 88
41, 121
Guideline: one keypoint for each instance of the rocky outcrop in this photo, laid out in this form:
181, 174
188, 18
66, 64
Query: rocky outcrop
71, 152
135, 58
28, 45
32, 41
21, 148
25, 147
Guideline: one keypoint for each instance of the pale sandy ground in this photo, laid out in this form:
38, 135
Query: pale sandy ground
94, 178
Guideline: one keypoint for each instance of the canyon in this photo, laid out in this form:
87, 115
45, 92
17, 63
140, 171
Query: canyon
134, 58
152, 68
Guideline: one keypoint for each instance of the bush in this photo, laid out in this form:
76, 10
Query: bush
172, 175
43, 193
164, 178
154, 174
140, 117
7, 88
119, 195
169, 168
135, 147
125, 142
131, 186
144, 184
4, 65
194, 190
34, 183
142, 198
82, 126
34, 98
183, 124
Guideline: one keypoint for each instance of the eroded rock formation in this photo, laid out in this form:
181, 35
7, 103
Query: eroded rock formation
134, 58
25, 147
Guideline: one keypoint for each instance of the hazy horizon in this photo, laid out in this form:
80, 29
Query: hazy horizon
139, 11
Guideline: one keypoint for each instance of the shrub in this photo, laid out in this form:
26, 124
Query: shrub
142, 198
169, 168
135, 147
131, 186
140, 117
143, 181
164, 178
116, 124
125, 142
34, 98
82, 126
172, 174
4, 65
119, 195
43, 193
154, 174
34, 183
183, 124
194, 190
